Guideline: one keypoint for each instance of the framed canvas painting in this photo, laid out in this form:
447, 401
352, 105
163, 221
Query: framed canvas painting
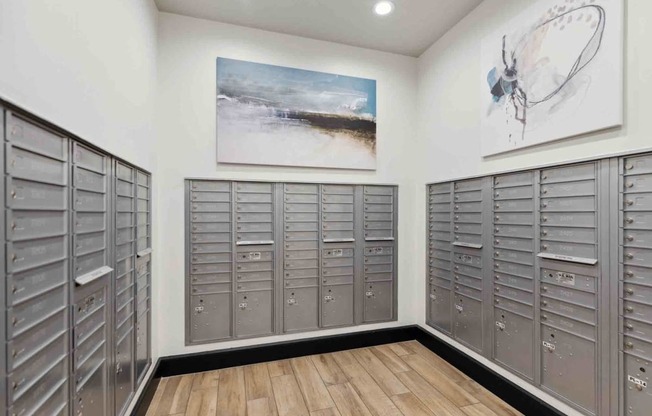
273, 115
554, 72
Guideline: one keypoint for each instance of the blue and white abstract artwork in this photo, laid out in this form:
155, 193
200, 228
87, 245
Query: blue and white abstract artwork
555, 71
273, 115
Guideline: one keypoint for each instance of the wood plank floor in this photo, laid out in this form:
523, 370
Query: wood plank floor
401, 379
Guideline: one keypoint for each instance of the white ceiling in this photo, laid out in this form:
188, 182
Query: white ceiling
410, 30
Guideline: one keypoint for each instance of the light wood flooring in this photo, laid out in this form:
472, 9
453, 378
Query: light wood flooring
389, 380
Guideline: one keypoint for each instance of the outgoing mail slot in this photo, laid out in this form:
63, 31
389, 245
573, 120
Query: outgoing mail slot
254, 266
123, 188
568, 173
23, 255
206, 196
300, 273
637, 329
211, 248
512, 180
468, 270
526, 284
210, 268
514, 269
577, 219
302, 198
569, 204
440, 198
36, 138
217, 217
378, 190
337, 271
440, 207
467, 259
637, 202
124, 204
637, 293
211, 238
253, 208
22, 225
308, 237
210, 207
302, 245
378, 199
35, 310
89, 201
254, 198
301, 264
301, 208
27, 165
32, 195
514, 218
440, 188
567, 294
378, 208
468, 207
301, 188
206, 227
513, 306
301, 254
564, 323
124, 235
518, 295
639, 311
254, 286
568, 189
637, 238
514, 205
520, 257
475, 240
581, 313
28, 345
123, 219
518, 244
584, 235
468, 291
211, 258
254, 187
198, 289
22, 286
87, 243
337, 252
587, 251
519, 192
201, 279
471, 282
637, 347
468, 228
637, 256
337, 189
301, 226
571, 280
337, 261
89, 262
90, 181
337, 280
468, 185
470, 196
211, 186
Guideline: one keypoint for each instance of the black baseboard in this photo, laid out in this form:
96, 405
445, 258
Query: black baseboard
509, 392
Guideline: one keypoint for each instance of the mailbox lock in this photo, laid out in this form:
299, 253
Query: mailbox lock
630, 185
629, 327
497, 206
630, 202
544, 303
497, 218
544, 205
545, 191
630, 238
639, 387
630, 220
544, 232
629, 309
630, 291
544, 289
497, 242
497, 254
629, 256
497, 289
629, 274
629, 345
545, 219
629, 167
544, 317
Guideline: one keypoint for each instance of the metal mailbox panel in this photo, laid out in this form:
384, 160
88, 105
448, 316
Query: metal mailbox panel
253, 276
637, 238
298, 283
32, 166
301, 188
92, 242
440, 188
89, 201
440, 308
440, 226
520, 257
576, 219
513, 205
124, 362
28, 345
517, 244
22, 194
337, 306
254, 227
583, 235
468, 185
34, 311
637, 293
32, 401
254, 187
520, 218
301, 254
339, 271
33, 137
210, 317
302, 264
637, 202
142, 347
637, 346
588, 251
514, 269
123, 219
301, 226
470, 196
569, 189
468, 270
379, 199
337, 261
211, 248
442, 264
519, 192
86, 222
210, 278
206, 196
209, 227
568, 366
210, 207
200, 217
254, 313
88, 180
344, 279
572, 280
637, 397
468, 207
253, 208
560, 307
568, 173
641, 275
378, 302
514, 342
468, 291
301, 273
301, 309
440, 207
638, 183
570, 325
638, 311
637, 256
526, 284
23, 286
513, 179
467, 319
349, 216
569, 204
211, 186
337, 199
254, 198
337, 189
212, 238
338, 208
205, 289
436, 216
467, 228
569, 295
440, 198
254, 286
246, 236
296, 209
254, 266
467, 259
373, 208
513, 306
22, 225
23, 255
302, 236
378, 190
517, 231
89, 262
211, 258
467, 218
518, 295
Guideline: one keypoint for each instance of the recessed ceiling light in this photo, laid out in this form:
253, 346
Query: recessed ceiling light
383, 8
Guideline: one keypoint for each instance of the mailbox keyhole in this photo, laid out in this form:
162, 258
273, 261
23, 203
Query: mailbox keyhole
245, 297
552, 335
292, 293
642, 370
503, 316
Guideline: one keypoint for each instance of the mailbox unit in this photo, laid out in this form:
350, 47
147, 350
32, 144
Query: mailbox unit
265, 258
568, 290
68, 300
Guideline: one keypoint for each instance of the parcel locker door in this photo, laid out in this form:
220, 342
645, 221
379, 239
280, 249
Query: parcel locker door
123, 370
637, 396
253, 313
440, 308
514, 342
467, 321
301, 310
142, 344
378, 303
210, 318
337, 305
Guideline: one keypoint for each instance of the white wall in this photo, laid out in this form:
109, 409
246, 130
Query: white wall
186, 115
449, 112
88, 66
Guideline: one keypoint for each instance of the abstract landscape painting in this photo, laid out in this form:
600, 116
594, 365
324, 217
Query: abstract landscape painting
553, 72
273, 115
